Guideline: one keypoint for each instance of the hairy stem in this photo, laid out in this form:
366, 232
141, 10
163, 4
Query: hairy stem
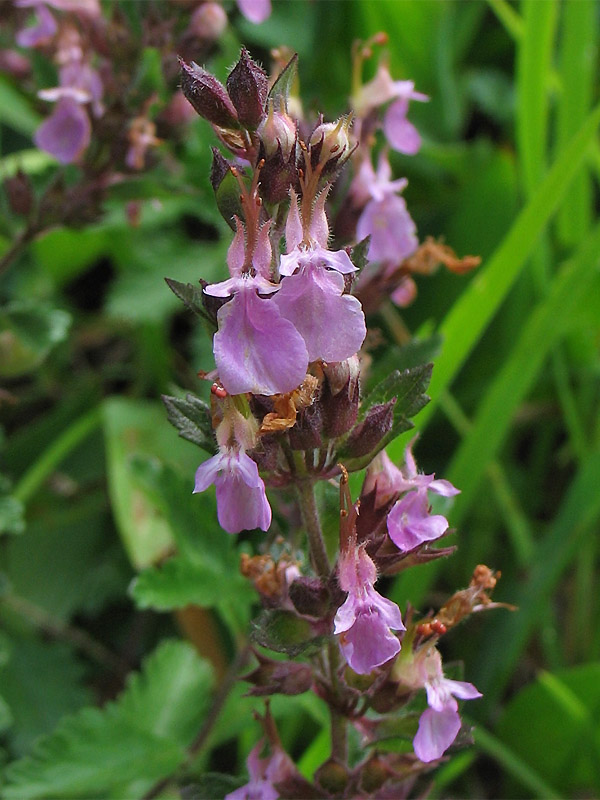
305, 492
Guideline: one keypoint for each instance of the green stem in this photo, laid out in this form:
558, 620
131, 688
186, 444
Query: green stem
305, 493
339, 725
55, 453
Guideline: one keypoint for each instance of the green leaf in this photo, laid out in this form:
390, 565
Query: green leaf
578, 512
547, 324
137, 428
192, 418
207, 558
40, 682
11, 515
191, 296
16, 111
209, 786
552, 725
31, 162
284, 632
129, 744
280, 91
27, 335
408, 387
181, 582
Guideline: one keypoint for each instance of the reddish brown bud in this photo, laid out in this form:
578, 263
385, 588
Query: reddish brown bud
248, 87
279, 677
368, 434
208, 96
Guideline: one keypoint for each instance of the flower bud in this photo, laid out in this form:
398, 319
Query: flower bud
332, 776
248, 87
330, 142
277, 130
208, 21
340, 407
208, 96
368, 434
278, 677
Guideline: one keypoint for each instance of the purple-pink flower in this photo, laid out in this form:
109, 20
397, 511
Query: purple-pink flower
256, 349
241, 500
385, 217
255, 11
440, 723
311, 294
400, 133
410, 522
264, 773
365, 618
67, 131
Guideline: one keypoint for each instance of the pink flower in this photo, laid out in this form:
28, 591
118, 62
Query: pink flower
440, 723
255, 11
42, 31
365, 618
256, 349
311, 294
241, 500
385, 217
264, 773
400, 133
66, 133
409, 522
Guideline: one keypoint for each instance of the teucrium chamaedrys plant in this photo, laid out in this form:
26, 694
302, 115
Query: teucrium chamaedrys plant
287, 413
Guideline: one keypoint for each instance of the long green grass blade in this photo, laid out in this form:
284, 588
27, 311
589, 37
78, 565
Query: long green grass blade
471, 315
534, 57
579, 510
577, 67
514, 765
542, 331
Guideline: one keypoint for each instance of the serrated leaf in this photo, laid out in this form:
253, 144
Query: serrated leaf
207, 559
358, 254
136, 740
408, 387
192, 418
41, 682
284, 632
180, 582
283, 85
191, 296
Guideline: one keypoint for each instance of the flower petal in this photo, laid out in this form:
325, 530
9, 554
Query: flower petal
437, 731
65, 134
256, 349
331, 324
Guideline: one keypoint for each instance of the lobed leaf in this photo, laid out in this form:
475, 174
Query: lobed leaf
136, 740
